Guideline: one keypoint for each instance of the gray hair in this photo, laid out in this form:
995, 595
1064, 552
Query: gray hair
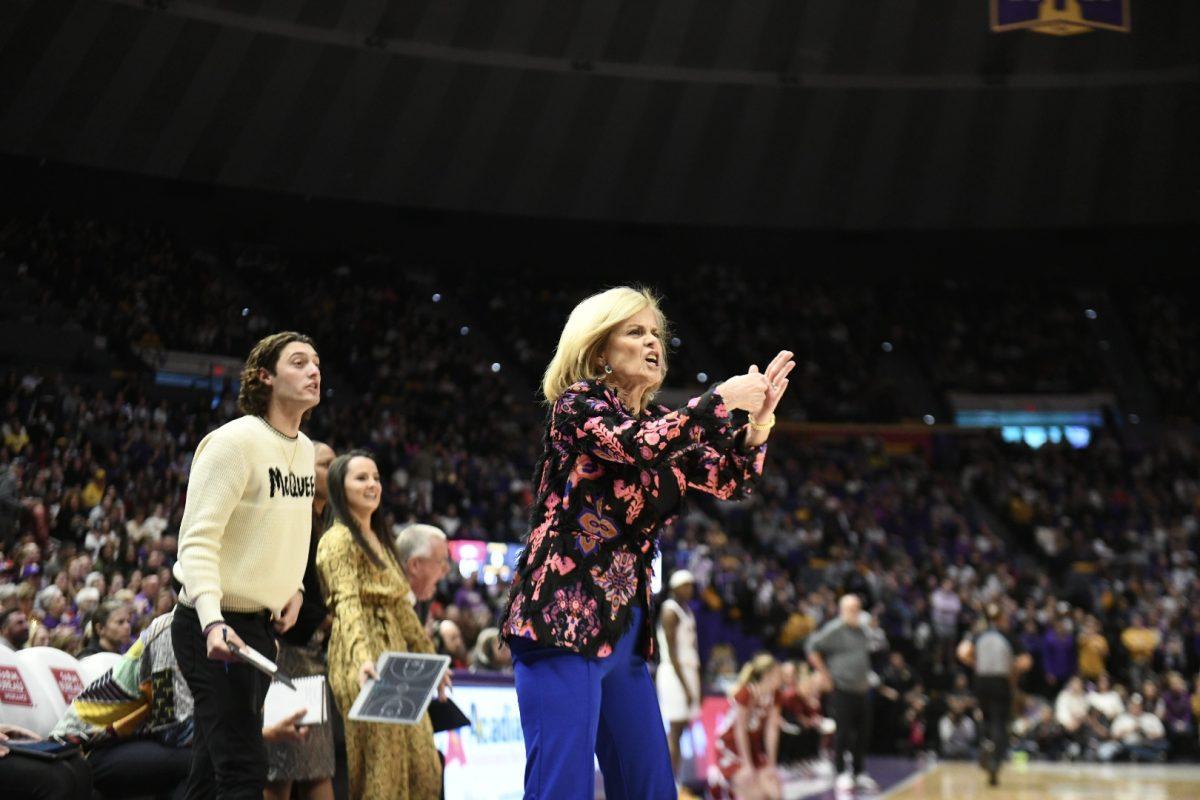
416, 541
87, 596
47, 596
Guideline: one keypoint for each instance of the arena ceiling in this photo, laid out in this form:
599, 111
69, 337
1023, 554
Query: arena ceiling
834, 114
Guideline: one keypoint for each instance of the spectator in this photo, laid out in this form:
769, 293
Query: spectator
109, 629
1140, 643
491, 653
946, 605
722, 669
1058, 656
1093, 650
1104, 699
957, 732
94, 491
1143, 735
155, 525
1196, 699
34, 779
52, 608
1036, 730
896, 680
146, 599
1176, 714
10, 501
14, 628
424, 557
39, 635
8, 595
15, 437
1071, 707
448, 640
87, 600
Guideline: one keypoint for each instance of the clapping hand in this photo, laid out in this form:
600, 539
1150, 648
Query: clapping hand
746, 392
776, 376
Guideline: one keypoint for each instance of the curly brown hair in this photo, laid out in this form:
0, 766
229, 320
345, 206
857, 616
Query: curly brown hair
254, 394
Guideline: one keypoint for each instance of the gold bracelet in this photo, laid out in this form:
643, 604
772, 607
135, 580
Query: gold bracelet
760, 427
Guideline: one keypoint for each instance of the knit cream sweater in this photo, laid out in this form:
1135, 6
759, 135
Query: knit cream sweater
243, 542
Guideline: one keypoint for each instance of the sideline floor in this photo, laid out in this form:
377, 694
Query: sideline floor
965, 781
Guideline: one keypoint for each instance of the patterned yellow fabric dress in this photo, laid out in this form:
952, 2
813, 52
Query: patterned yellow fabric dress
373, 613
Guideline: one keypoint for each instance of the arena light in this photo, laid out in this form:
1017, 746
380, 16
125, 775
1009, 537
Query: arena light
1035, 437
1078, 437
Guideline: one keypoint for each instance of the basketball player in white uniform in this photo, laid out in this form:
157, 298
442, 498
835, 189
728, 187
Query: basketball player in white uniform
678, 676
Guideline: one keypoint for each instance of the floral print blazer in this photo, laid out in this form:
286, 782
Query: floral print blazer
607, 481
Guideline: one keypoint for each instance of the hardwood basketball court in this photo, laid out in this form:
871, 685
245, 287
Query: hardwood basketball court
1056, 781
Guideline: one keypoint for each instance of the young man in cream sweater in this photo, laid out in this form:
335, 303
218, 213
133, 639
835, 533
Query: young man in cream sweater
243, 545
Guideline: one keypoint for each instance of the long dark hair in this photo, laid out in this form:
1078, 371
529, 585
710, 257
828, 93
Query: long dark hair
337, 508
100, 618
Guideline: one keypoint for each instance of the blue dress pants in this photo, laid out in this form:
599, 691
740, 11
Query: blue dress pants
573, 707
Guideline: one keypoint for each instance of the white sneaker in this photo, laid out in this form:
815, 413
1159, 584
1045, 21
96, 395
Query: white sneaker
844, 782
866, 783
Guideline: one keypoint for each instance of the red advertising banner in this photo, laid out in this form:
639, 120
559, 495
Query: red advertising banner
13, 691
69, 683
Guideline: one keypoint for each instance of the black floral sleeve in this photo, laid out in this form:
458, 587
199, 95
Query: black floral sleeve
588, 419
728, 474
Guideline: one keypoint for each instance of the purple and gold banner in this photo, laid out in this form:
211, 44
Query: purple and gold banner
1060, 17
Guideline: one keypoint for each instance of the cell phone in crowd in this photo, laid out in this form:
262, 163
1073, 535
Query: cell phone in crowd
46, 749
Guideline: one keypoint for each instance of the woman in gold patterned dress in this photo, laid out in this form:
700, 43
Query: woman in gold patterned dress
370, 600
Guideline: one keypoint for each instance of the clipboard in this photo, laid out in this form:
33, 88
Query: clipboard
401, 695
248, 655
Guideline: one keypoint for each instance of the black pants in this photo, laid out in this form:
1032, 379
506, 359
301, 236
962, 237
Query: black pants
995, 701
229, 759
852, 713
26, 778
140, 768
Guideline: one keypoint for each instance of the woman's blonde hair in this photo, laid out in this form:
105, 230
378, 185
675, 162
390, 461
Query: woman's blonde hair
754, 671
586, 332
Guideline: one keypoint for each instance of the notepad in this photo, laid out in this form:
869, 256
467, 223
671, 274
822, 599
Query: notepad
282, 702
